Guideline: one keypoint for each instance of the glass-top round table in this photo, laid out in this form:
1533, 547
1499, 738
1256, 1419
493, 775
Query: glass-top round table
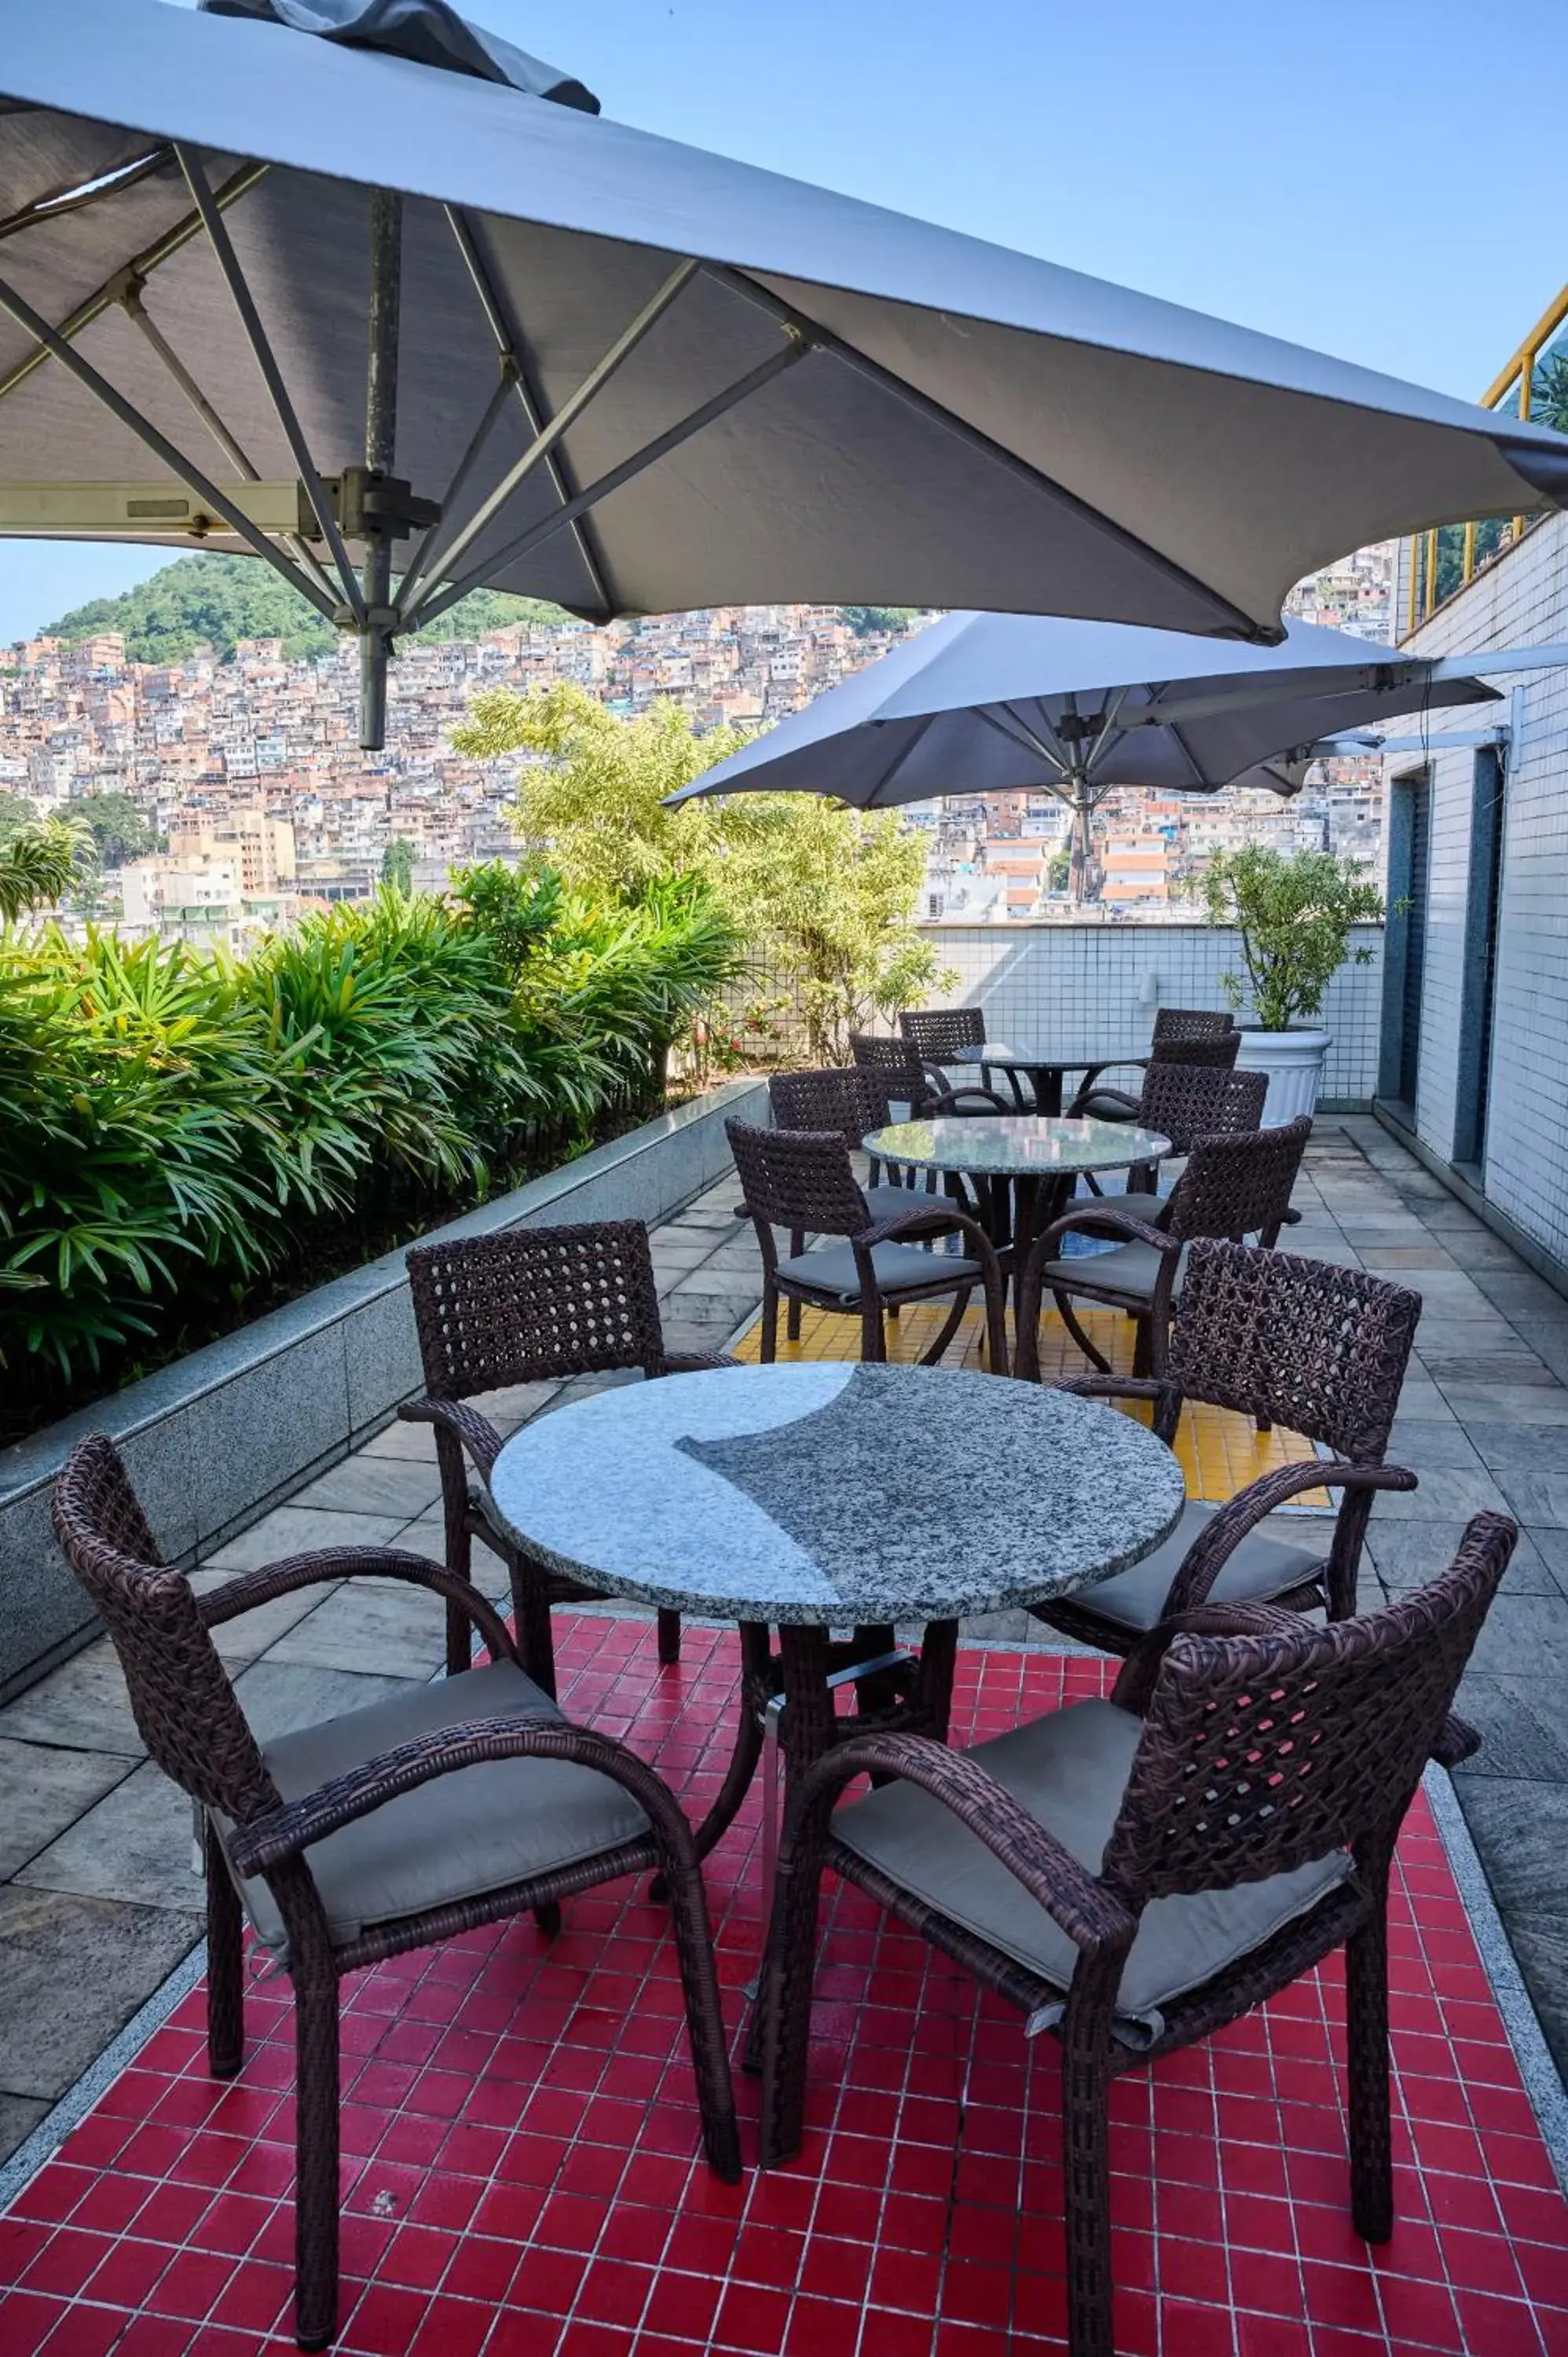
1043, 1064
1020, 1168
822, 1497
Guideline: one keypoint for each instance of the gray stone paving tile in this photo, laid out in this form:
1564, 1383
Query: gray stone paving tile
1443, 1495
1516, 1364
374, 1485
1549, 1344
44, 1788
1411, 1554
1524, 1636
297, 1530
1520, 1828
19, 2115
83, 1704
396, 1631
1517, 1292
1436, 1444
135, 1845
1528, 1403
74, 1971
1518, 1447
1536, 1499
278, 1696
1395, 1260
400, 1439
1521, 1724
1552, 1545
513, 1405
248, 1635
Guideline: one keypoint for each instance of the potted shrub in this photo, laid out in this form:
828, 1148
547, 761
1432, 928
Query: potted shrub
1294, 913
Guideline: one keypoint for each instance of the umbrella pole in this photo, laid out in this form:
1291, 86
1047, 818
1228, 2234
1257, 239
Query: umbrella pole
380, 452
1083, 802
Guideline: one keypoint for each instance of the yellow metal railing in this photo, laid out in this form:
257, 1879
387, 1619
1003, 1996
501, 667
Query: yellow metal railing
1445, 560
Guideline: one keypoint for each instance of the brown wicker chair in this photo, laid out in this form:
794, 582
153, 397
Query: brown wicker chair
529, 1304
937, 1034
1237, 1186
1184, 1102
1303, 1343
1176, 1040
345, 1843
801, 1180
1135, 1874
923, 1087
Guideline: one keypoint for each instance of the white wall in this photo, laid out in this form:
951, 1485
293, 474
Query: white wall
1036, 981
1521, 600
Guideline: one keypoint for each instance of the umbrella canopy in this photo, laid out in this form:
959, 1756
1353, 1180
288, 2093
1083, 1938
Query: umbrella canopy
353, 305
994, 703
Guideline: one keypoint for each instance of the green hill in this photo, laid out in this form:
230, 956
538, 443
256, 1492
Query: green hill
215, 600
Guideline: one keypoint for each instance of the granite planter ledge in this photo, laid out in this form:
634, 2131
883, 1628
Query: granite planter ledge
215, 1439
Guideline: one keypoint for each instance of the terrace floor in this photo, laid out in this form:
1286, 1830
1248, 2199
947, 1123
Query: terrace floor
100, 1904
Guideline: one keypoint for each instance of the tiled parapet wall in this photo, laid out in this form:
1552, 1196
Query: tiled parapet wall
215, 1439
1087, 981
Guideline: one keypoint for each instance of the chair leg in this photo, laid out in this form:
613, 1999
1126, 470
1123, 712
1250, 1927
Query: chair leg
1096, 1358
459, 1546
769, 1348
704, 2021
547, 1915
1086, 2165
873, 1335
669, 1637
315, 2163
225, 1965
784, 2004
792, 1313
1367, 2039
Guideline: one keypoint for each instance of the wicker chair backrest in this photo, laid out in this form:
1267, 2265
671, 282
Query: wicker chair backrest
800, 1179
1238, 1186
1314, 1348
1184, 1101
534, 1304
851, 1101
1176, 1025
894, 1061
180, 1695
1215, 1051
1262, 1753
938, 1033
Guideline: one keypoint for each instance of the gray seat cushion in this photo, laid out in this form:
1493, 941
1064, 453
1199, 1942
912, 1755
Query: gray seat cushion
1261, 1568
1070, 1770
1130, 1269
885, 1200
455, 1837
832, 1270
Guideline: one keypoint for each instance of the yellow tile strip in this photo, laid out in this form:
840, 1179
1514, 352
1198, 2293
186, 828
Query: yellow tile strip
1219, 1453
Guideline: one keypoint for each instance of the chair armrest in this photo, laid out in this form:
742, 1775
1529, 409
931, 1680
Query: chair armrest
1093, 1917
1208, 1553
268, 1841
970, 1099
695, 1362
248, 1589
1457, 1741
476, 1433
1136, 1678
943, 1214
1135, 1387
1093, 1089
1121, 1227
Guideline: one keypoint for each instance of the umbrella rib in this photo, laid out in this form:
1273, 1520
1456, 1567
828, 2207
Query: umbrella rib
91, 192
545, 440
234, 278
1238, 623
533, 403
185, 470
420, 563
92, 307
1047, 749
639, 462
136, 311
874, 799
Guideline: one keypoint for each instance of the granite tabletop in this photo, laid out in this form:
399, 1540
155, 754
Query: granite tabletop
1017, 1146
1050, 1055
832, 1495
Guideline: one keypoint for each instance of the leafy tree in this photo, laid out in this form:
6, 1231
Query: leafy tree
15, 813
1295, 913
39, 864
823, 893
1549, 393
517, 907
397, 864
118, 829
864, 620
214, 601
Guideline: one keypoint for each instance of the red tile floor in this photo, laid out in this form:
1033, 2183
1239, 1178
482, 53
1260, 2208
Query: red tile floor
520, 2133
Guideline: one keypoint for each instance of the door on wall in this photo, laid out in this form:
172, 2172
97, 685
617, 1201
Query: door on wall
1483, 901
1404, 951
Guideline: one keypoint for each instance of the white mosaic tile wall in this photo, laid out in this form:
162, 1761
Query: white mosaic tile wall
1036, 981
1520, 601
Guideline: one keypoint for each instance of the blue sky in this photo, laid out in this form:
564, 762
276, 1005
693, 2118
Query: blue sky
1381, 178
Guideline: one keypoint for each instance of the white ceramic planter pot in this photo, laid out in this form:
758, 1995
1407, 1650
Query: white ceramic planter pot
1293, 1062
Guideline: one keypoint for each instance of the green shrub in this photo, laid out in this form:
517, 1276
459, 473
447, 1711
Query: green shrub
178, 1132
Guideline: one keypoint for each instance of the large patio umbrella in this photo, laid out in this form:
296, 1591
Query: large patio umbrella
984, 703
355, 304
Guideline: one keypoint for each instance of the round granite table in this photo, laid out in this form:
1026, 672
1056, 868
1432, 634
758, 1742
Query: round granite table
1043, 1066
822, 1497
1019, 1168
